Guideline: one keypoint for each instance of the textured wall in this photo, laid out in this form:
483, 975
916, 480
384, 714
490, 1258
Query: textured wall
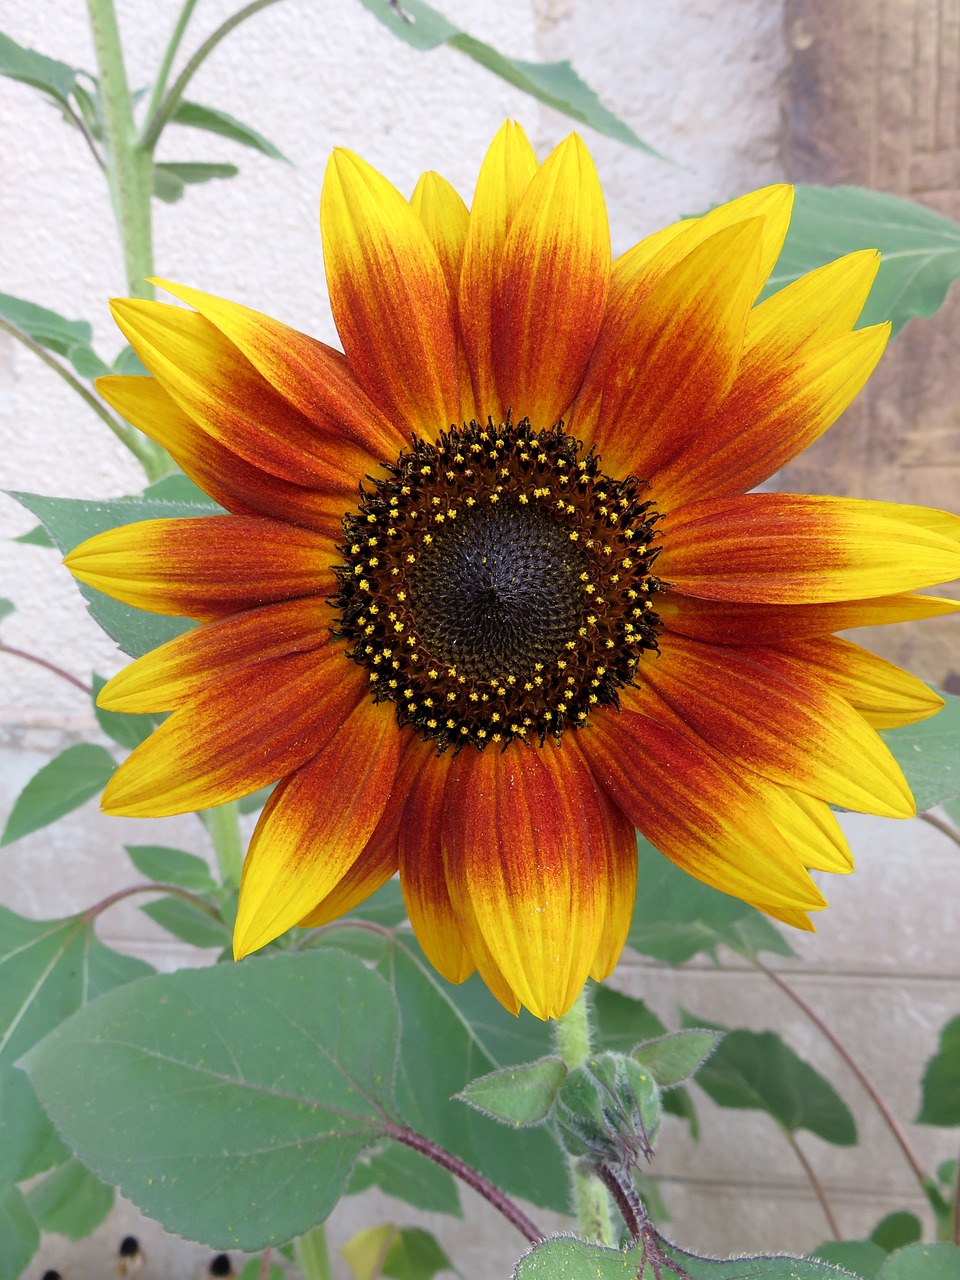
701, 82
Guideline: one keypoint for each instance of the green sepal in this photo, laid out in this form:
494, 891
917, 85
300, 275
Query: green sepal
521, 1097
609, 1108
675, 1057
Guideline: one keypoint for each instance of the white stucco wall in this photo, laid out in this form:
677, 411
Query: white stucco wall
701, 83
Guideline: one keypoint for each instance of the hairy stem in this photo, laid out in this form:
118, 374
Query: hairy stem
50, 666
173, 890
173, 44
889, 1118
816, 1184
571, 1036
223, 824
460, 1169
129, 166
932, 820
160, 117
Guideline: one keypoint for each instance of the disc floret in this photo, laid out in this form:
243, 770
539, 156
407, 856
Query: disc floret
497, 584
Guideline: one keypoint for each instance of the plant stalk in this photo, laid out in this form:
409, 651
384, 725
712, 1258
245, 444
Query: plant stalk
173, 44
816, 1184
49, 666
571, 1037
223, 824
129, 166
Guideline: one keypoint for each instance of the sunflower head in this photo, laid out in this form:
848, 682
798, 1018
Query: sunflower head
492, 590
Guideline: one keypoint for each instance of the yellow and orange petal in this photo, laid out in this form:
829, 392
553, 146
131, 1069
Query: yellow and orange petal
519, 430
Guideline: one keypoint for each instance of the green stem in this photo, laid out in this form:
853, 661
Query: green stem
313, 1256
163, 74
158, 119
571, 1037
129, 166
223, 824
154, 460
816, 1184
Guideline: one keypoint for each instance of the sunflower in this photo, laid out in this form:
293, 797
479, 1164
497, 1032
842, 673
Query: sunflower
492, 591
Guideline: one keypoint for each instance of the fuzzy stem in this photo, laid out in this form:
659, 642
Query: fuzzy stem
129, 166
571, 1036
816, 1184
50, 666
466, 1173
889, 1118
223, 825
173, 44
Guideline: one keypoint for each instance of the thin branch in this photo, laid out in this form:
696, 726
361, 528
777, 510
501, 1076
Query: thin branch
160, 118
948, 830
173, 44
123, 433
50, 666
173, 890
628, 1206
460, 1169
88, 137
816, 1184
890, 1119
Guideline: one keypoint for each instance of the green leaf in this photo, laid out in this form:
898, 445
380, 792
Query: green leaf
896, 1230
922, 1262
756, 1071
862, 1257
213, 121
6, 608
920, 249
477, 1036
86, 362
61, 786
35, 537
940, 1098
28, 1141
70, 1201
172, 866
565, 1258
519, 1096
677, 916
385, 907
171, 179
555, 83
187, 922
929, 754
71, 521
406, 1175
675, 1057
622, 1022
176, 487
19, 1235
130, 364
36, 69
46, 327
126, 730
265, 1080
414, 1254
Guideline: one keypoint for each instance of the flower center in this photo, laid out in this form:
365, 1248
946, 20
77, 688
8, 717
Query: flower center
497, 584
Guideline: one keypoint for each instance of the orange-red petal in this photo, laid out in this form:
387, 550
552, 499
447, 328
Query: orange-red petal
552, 287
785, 548
393, 308
205, 567
315, 826
237, 734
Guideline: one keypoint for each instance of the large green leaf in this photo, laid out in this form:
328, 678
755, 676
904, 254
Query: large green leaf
19, 1235
477, 1036
941, 1080
36, 69
70, 1201
564, 1258
929, 754
920, 249
70, 521
60, 786
756, 1071
676, 916
213, 121
555, 83
265, 1081
923, 1262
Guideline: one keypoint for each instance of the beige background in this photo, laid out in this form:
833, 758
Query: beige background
715, 86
